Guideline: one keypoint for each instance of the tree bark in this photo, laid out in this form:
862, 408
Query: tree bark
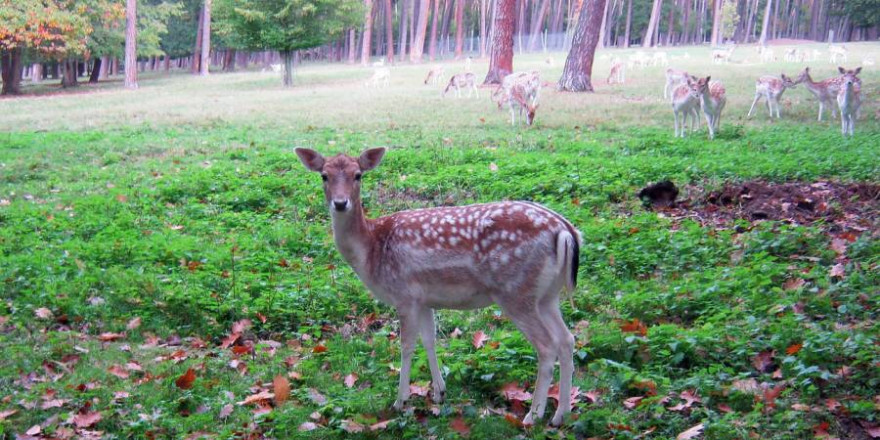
69, 73
578, 70
131, 44
717, 13
389, 32
629, 17
537, 24
36, 72
10, 60
96, 71
367, 32
418, 48
205, 64
653, 24
459, 28
604, 24
484, 4
197, 50
766, 24
432, 44
287, 59
501, 53
402, 28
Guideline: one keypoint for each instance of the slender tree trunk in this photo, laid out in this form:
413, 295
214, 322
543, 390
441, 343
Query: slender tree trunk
352, 46
537, 24
389, 32
96, 71
717, 13
459, 28
670, 25
131, 44
576, 76
685, 22
484, 12
629, 17
653, 23
765, 26
287, 58
501, 55
37, 72
603, 26
432, 43
11, 71
197, 51
367, 32
402, 28
205, 63
418, 48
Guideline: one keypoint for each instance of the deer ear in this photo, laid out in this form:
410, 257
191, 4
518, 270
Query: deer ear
707, 79
841, 69
311, 159
371, 158
858, 69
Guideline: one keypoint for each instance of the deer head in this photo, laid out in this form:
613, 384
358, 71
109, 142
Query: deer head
341, 175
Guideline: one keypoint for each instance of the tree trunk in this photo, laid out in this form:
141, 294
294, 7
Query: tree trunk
418, 48
459, 28
69, 74
537, 24
131, 44
629, 17
10, 60
766, 24
96, 71
501, 54
653, 24
197, 50
205, 63
389, 32
287, 75
576, 75
670, 25
402, 28
37, 72
717, 13
367, 32
432, 43
603, 26
484, 11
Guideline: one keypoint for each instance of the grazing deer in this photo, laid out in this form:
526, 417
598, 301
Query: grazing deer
720, 56
674, 77
518, 98
660, 59
849, 100
463, 80
835, 52
767, 54
380, 76
825, 91
771, 88
519, 255
617, 73
685, 102
531, 81
435, 74
790, 55
639, 59
712, 100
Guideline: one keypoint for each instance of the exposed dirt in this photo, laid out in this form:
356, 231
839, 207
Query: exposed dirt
841, 206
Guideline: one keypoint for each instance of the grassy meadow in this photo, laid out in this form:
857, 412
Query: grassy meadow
139, 229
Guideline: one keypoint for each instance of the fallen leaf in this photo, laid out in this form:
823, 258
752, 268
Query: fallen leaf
690, 433
479, 339
185, 381
119, 395
317, 397
455, 333
634, 326
351, 427
241, 326
837, 271
229, 340
43, 313
874, 432
838, 245
458, 425
493, 167
512, 391
418, 390
633, 402
85, 420
763, 361
5, 414
110, 337
793, 348
350, 380
262, 395
748, 386
226, 410
307, 426
832, 404
380, 425
35, 430
118, 371
134, 323
320, 348
793, 284
282, 389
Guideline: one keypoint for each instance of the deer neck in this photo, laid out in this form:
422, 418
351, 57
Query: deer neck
352, 234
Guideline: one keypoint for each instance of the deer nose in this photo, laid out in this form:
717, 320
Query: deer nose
340, 205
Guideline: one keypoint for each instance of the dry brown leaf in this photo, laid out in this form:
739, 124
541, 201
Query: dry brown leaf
110, 337
43, 313
460, 426
281, 386
307, 426
5, 414
350, 380
633, 402
34, 431
479, 339
837, 271
118, 371
691, 433
793, 284
763, 361
380, 425
351, 426
86, 420
317, 397
226, 410
185, 381
262, 395
838, 245
134, 323
512, 391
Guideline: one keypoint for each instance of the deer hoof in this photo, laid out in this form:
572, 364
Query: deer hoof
557, 420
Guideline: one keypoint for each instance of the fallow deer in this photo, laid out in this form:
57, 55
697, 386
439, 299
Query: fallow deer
518, 100
519, 255
849, 99
617, 73
712, 100
825, 91
463, 80
720, 56
771, 89
685, 102
435, 75
837, 54
674, 78
380, 76
660, 59
530, 81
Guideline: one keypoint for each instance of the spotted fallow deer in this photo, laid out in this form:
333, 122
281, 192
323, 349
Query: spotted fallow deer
771, 89
712, 100
435, 75
685, 103
674, 78
518, 255
825, 91
849, 99
466, 80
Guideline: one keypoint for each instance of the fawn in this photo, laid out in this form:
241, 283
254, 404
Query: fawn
849, 100
463, 80
712, 100
685, 102
771, 88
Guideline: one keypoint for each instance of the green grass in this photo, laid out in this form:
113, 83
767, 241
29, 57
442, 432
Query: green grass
183, 204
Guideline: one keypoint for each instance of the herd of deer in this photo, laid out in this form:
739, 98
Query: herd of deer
690, 93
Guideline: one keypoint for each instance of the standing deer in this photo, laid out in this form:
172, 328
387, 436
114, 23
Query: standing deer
674, 77
519, 91
825, 91
463, 80
836, 52
771, 88
685, 102
518, 255
435, 74
381, 76
723, 55
518, 99
712, 100
849, 100
617, 73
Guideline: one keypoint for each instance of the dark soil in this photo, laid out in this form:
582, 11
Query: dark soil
840, 206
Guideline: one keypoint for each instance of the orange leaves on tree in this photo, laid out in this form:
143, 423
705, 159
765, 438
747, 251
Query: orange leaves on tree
634, 326
479, 339
281, 386
185, 381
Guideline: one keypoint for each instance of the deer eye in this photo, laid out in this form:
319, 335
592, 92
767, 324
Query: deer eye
357, 177
324, 177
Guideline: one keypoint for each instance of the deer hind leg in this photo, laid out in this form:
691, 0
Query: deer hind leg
524, 312
428, 332
549, 309
675, 115
409, 331
752, 109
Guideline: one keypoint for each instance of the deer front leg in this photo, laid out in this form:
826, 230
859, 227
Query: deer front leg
752, 109
408, 331
428, 333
